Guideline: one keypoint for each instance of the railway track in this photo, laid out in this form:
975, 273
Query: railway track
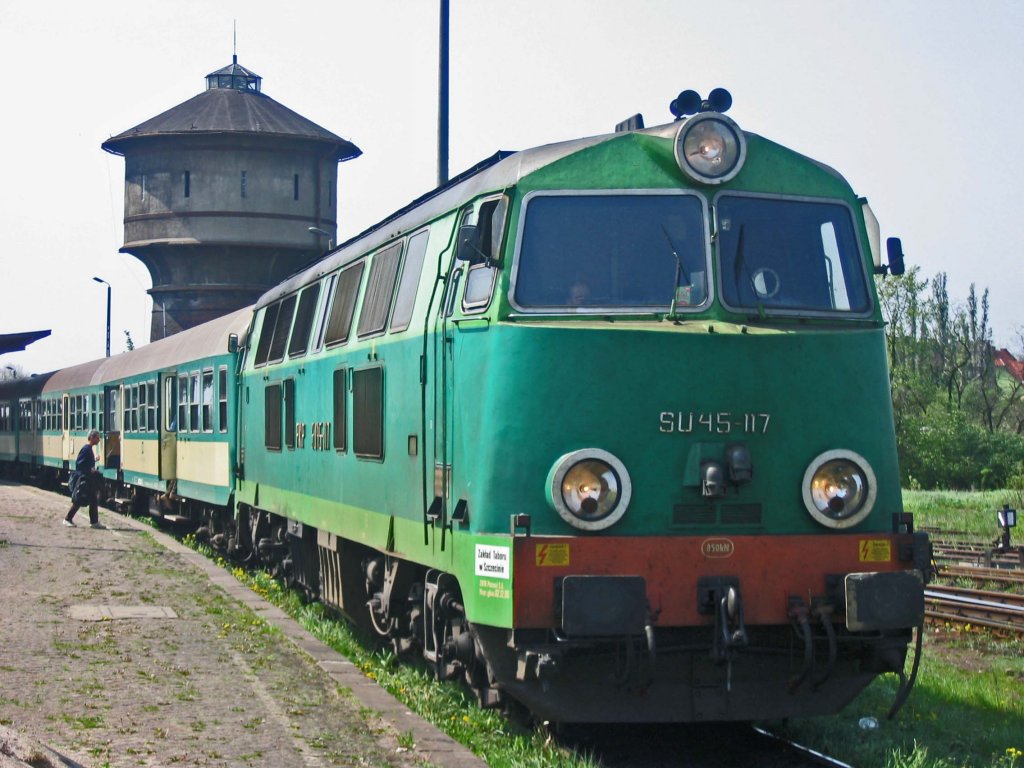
1009, 577
996, 610
708, 745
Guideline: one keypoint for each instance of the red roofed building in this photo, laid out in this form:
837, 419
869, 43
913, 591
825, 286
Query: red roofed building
1010, 364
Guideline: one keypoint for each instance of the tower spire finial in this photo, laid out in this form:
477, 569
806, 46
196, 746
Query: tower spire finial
234, 41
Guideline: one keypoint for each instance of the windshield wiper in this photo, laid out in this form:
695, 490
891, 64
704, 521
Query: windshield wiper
679, 271
740, 269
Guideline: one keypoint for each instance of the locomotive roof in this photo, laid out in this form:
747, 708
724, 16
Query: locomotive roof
500, 171
204, 340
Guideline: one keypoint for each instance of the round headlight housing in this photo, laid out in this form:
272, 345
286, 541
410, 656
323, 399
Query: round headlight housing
839, 489
710, 148
589, 488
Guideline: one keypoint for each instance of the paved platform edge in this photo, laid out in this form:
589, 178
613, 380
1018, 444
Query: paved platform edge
431, 743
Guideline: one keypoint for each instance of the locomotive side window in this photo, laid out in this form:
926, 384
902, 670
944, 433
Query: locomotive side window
340, 409
272, 417
289, 413
340, 323
303, 320
368, 412
266, 334
406, 299
322, 322
481, 276
614, 251
281, 329
790, 256
380, 289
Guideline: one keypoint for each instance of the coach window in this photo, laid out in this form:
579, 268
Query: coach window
340, 324
208, 400
289, 413
380, 290
151, 410
112, 421
368, 412
281, 328
195, 395
140, 406
340, 409
411, 269
272, 417
266, 333
222, 398
303, 320
183, 403
170, 403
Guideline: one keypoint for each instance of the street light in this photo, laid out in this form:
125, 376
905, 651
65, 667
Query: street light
108, 311
324, 233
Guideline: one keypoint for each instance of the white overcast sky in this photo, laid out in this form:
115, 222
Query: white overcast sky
917, 102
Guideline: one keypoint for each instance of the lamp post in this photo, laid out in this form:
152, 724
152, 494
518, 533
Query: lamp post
108, 311
323, 233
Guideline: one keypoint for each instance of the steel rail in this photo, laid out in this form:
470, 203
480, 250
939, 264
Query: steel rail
998, 610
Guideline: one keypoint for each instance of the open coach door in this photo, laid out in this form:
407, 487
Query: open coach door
168, 427
112, 438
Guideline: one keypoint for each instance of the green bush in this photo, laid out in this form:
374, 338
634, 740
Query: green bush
945, 450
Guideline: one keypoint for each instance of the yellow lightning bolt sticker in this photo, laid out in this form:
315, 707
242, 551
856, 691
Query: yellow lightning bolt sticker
875, 550
552, 554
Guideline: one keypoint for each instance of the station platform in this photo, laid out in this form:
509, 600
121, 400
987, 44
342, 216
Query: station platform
121, 647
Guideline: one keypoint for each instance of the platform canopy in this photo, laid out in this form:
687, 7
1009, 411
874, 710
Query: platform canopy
16, 342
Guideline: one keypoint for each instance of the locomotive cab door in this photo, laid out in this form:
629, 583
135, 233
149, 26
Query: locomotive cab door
474, 256
166, 412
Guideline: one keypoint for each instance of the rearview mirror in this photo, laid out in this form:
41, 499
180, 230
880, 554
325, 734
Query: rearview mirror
468, 246
232, 343
894, 247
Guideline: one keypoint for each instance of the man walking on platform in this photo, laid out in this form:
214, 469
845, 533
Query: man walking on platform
82, 486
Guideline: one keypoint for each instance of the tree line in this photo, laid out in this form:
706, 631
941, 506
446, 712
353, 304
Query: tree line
959, 415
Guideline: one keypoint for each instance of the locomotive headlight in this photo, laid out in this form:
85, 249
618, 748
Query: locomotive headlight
589, 489
839, 488
710, 148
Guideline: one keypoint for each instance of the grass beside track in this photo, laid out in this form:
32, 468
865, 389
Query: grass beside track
966, 711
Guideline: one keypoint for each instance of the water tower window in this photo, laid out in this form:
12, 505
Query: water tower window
188, 184
243, 185
143, 187
295, 187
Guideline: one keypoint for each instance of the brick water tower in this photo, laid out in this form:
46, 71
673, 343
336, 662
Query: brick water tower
225, 195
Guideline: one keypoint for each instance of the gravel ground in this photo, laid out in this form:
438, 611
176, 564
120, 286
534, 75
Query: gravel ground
120, 647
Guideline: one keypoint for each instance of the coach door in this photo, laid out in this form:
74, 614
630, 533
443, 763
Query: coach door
168, 435
112, 438
65, 426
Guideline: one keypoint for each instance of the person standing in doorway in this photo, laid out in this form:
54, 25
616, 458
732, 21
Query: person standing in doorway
83, 484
